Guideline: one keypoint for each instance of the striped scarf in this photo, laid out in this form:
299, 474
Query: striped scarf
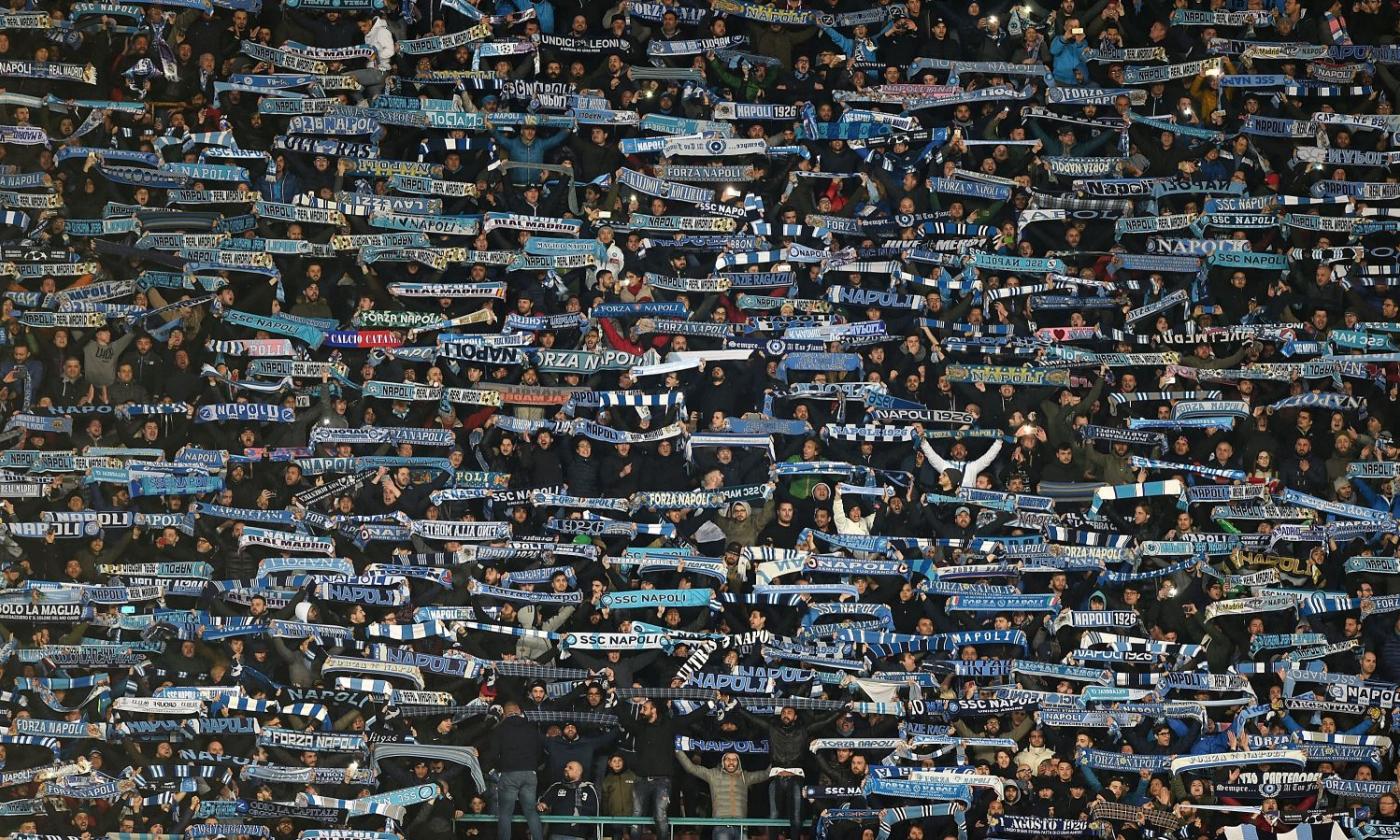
1092, 538
1040, 200
416, 632
1114, 641
561, 718
1141, 490
1124, 813
726, 439
683, 693
354, 807
459, 712
1017, 291
1139, 463
798, 703
884, 434
1336, 29
315, 711
890, 817
698, 659
1117, 399
253, 705
530, 670
525, 632
145, 778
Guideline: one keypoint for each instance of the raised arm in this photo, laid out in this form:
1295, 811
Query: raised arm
939, 463
987, 458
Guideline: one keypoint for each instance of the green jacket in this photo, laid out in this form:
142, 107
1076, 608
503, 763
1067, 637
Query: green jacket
1059, 419
800, 487
729, 792
746, 87
779, 44
617, 793
1107, 467
746, 532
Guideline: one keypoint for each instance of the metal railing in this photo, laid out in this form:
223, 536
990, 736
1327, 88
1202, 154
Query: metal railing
599, 822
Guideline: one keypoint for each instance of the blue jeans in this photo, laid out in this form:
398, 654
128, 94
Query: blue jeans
789, 788
727, 832
657, 791
371, 82
517, 786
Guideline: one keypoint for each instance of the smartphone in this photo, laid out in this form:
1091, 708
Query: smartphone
128, 609
1076, 31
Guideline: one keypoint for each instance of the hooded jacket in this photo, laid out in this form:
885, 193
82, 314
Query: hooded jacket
746, 532
729, 792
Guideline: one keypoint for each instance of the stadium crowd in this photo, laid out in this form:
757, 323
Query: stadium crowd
947, 420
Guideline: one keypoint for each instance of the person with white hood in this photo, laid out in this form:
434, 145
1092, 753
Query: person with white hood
378, 37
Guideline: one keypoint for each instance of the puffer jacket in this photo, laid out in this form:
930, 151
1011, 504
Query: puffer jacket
729, 792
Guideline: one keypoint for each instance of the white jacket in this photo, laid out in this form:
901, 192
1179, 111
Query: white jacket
614, 263
846, 525
382, 40
970, 469
1032, 756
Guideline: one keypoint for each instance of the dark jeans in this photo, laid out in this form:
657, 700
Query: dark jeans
517, 786
371, 82
787, 788
655, 790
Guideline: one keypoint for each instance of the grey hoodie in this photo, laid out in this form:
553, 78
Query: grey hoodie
100, 363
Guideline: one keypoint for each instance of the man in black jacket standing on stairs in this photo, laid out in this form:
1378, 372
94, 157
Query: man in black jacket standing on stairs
515, 751
654, 737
